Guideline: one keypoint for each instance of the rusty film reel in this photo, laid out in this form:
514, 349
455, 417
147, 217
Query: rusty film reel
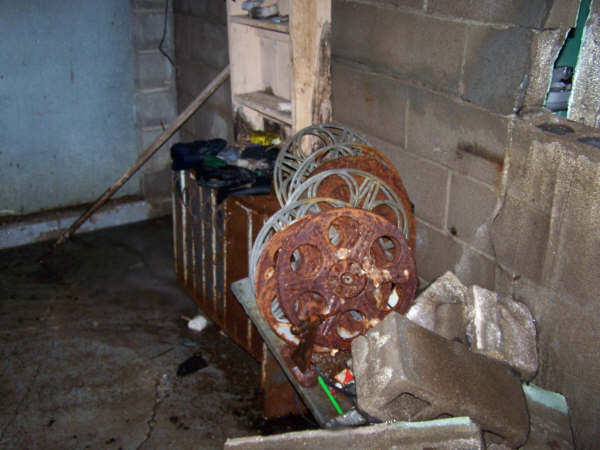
297, 148
330, 276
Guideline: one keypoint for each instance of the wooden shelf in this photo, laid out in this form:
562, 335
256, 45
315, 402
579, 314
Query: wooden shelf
266, 104
264, 24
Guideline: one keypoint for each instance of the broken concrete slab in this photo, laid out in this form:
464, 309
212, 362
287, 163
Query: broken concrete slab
497, 327
549, 426
549, 417
439, 308
403, 370
502, 329
453, 433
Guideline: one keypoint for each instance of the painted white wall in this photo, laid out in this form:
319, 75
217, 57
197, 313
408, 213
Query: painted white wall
67, 119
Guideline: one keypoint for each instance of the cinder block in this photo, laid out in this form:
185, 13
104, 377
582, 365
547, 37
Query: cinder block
437, 253
208, 42
372, 103
497, 62
440, 308
157, 185
569, 332
153, 71
212, 11
549, 419
201, 40
351, 27
148, 30
457, 135
162, 158
155, 108
540, 172
450, 434
397, 361
491, 325
471, 211
501, 329
577, 258
420, 48
520, 235
186, 136
524, 13
194, 76
562, 14
425, 182
209, 123
546, 45
584, 103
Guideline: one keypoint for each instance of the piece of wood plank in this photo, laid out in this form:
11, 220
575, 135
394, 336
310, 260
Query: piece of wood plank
265, 24
310, 22
267, 104
144, 157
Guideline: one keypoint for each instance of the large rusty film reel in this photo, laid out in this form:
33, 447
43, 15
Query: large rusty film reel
328, 277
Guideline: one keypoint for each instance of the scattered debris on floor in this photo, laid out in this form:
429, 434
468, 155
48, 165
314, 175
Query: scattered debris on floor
197, 323
191, 365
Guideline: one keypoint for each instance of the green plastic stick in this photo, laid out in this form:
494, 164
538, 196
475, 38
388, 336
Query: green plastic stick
331, 398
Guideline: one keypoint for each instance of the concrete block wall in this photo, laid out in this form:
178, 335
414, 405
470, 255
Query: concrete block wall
445, 88
155, 97
202, 52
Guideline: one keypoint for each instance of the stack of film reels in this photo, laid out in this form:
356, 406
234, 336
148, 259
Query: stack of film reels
338, 256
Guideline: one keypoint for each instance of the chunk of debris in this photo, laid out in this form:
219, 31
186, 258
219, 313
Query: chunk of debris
197, 323
191, 365
497, 327
404, 371
549, 426
454, 433
351, 418
502, 329
549, 417
440, 308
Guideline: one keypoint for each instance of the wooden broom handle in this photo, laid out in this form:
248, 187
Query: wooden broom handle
144, 157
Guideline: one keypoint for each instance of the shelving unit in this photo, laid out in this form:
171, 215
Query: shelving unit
265, 85
264, 24
269, 105
261, 67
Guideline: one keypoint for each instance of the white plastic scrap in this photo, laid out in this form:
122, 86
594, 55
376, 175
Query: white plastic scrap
198, 323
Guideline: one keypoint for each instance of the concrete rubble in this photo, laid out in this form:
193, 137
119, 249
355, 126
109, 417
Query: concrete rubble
502, 329
406, 372
549, 426
494, 326
453, 433
549, 417
440, 308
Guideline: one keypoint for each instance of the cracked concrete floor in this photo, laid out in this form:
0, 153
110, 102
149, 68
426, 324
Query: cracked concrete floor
90, 346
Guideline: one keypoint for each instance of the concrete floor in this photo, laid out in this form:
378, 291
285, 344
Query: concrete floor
90, 344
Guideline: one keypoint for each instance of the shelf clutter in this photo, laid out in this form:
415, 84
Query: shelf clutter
276, 61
